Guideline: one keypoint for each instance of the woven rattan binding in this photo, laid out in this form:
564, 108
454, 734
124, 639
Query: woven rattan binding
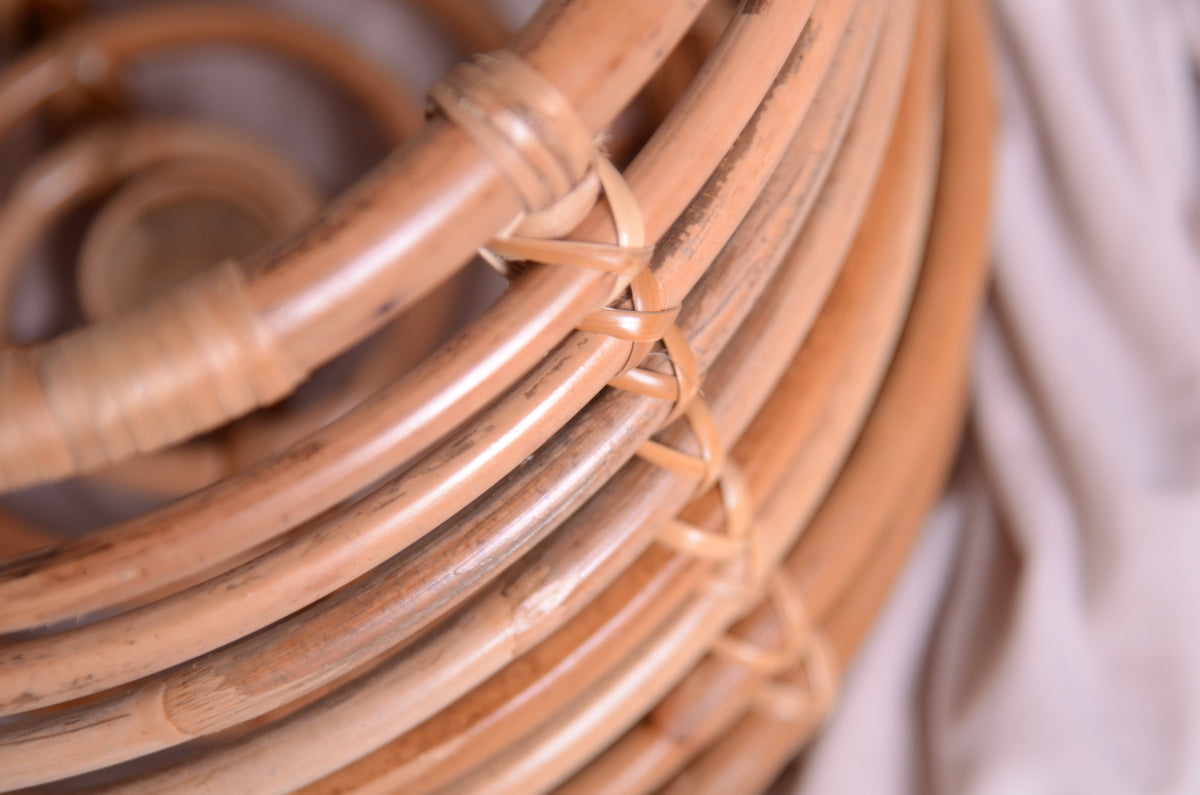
472, 97
739, 551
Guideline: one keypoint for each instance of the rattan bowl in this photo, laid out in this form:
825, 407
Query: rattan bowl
620, 531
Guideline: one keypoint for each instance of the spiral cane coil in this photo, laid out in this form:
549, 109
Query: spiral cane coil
606, 534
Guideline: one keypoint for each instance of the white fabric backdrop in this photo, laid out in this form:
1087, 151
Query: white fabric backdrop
1046, 637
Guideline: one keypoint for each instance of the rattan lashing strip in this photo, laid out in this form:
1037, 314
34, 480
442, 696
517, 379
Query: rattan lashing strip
342, 782
95, 160
546, 755
383, 233
737, 547
252, 686
639, 325
802, 644
736, 550
68, 401
650, 321
475, 86
156, 638
158, 549
893, 475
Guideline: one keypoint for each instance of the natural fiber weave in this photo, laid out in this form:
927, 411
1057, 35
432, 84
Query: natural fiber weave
475, 568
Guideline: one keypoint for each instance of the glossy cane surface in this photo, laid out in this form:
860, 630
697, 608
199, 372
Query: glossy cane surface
618, 530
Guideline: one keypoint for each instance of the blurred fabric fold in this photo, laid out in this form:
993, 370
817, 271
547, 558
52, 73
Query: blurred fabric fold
1046, 636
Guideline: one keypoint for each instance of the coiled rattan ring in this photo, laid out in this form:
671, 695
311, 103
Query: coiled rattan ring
621, 531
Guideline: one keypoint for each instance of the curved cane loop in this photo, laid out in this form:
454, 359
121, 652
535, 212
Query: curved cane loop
728, 548
795, 632
809, 703
530, 132
802, 645
533, 136
215, 318
735, 551
521, 122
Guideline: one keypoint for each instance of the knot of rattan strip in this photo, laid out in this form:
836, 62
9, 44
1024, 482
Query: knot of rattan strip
521, 121
215, 317
802, 646
531, 133
523, 124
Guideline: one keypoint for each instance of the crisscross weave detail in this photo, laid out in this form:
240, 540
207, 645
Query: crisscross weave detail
802, 646
531, 133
